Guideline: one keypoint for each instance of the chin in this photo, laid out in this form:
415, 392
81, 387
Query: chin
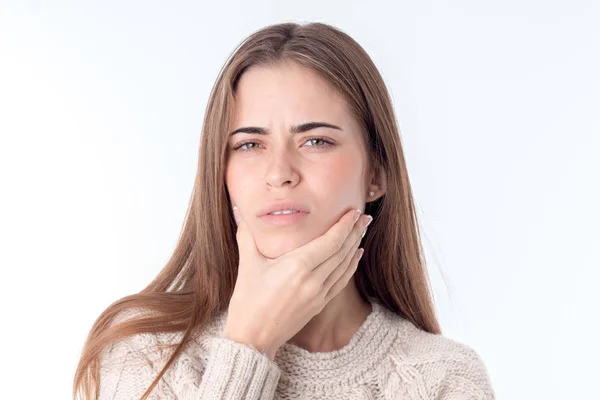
276, 247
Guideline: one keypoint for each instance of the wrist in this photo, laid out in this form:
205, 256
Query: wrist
253, 343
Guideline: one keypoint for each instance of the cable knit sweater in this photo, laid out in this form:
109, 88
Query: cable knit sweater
387, 358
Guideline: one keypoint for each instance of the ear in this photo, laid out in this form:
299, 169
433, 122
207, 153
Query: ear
377, 184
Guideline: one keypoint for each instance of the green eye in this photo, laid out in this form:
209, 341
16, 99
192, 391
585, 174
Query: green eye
326, 143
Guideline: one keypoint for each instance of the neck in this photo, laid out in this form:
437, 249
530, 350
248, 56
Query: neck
335, 325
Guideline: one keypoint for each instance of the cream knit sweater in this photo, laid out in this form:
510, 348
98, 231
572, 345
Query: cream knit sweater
387, 358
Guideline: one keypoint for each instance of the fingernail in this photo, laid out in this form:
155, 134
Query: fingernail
368, 219
360, 253
236, 214
357, 214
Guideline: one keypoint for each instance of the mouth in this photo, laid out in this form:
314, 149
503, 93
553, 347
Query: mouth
287, 217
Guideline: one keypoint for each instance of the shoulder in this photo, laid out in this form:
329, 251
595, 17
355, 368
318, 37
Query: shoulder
129, 365
152, 344
139, 348
442, 367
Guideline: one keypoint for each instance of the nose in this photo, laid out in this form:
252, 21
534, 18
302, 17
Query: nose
281, 168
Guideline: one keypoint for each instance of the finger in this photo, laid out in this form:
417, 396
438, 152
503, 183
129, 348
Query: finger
348, 248
329, 272
246, 245
321, 248
346, 276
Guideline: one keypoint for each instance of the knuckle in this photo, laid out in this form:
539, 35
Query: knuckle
298, 274
335, 246
299, 267
311, 288
296, 280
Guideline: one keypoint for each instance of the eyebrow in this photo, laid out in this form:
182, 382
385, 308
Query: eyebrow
294, 129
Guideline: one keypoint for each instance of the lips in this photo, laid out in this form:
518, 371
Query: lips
281, 220
281, 205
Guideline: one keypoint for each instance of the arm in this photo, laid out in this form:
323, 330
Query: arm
126, 373
467, 379
233, 371
236, 371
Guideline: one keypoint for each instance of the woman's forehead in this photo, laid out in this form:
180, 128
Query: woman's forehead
284, 91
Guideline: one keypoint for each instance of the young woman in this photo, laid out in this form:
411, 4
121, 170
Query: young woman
268, 294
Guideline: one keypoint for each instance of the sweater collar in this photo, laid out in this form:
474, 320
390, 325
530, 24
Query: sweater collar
366, 350
355, 362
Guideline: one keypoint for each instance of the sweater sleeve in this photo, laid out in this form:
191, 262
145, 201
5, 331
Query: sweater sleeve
233, 371
126, 372
466, 380
236, 371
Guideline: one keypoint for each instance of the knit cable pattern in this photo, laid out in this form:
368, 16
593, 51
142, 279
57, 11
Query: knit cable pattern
388, 358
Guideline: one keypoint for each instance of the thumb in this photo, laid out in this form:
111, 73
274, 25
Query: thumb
246, 245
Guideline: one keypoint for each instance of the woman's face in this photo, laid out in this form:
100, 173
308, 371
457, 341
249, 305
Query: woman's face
326, 175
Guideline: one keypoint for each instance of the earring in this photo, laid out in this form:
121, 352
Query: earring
371, 194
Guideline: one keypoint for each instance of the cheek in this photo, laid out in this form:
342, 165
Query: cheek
242, 184
343, 177
234, 180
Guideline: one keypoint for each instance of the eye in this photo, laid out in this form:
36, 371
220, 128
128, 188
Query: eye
326, 143
318, 139
240, 145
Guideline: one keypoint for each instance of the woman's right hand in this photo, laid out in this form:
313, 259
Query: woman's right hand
274, 299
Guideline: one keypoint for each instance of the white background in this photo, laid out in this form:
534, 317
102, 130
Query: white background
101, 106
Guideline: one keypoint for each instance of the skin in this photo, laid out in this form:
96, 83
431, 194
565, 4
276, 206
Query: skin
328, 179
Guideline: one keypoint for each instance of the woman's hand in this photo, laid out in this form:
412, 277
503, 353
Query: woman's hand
274, 298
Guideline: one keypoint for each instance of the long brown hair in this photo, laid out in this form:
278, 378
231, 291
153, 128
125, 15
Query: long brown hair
198, 280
